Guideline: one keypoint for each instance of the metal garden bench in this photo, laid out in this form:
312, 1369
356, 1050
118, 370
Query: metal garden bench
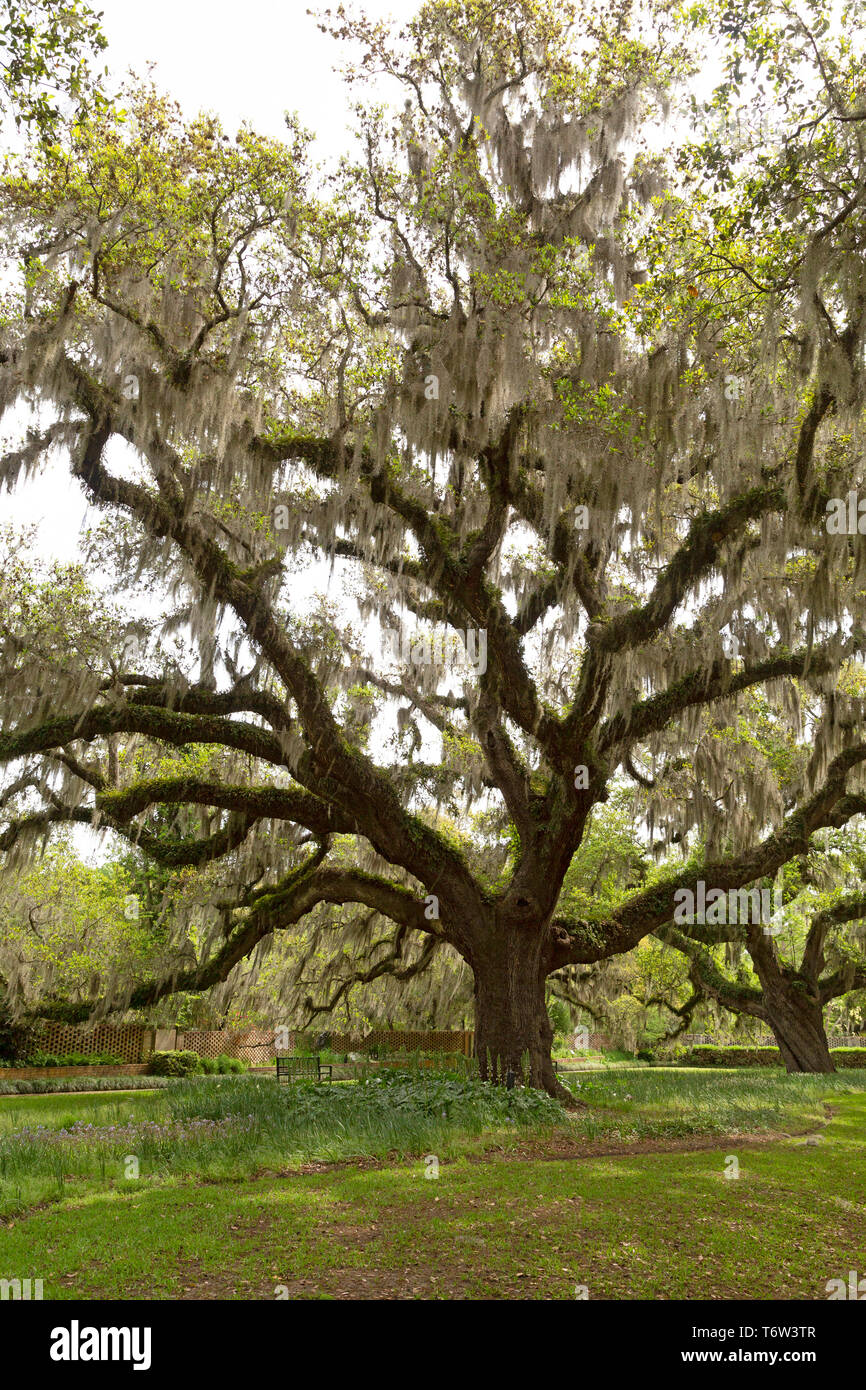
291, 1069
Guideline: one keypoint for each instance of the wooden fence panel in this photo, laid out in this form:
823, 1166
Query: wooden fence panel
130, 1041
134, 1043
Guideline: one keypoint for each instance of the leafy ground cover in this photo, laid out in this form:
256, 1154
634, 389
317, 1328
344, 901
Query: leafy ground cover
510, 1225
246, 1191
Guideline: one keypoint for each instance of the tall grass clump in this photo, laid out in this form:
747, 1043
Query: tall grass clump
648, 1103
241, 1124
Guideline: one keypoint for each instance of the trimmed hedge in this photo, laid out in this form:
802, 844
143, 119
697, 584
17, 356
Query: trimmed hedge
60, 1085
191, 1064
81, 1083
708, 1056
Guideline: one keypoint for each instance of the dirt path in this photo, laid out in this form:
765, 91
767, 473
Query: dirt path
557, 1149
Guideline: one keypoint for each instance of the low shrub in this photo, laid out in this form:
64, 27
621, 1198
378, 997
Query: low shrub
706, 1055
42, 1086
222, 1065
848, 1056
173, 1063
72, 1059
233, 1065
420, 1061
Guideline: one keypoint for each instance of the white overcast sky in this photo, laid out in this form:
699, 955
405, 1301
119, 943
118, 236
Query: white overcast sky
244, 59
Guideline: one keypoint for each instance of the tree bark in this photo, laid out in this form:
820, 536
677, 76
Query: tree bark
791, 1005
513, 1032
798, 1027
797, 1022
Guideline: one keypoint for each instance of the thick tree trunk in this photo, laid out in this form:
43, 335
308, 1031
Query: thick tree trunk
513, 1032
797, 1022
792, 1007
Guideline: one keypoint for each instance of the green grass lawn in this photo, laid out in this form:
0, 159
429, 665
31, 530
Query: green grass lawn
66, 1108
523, 1206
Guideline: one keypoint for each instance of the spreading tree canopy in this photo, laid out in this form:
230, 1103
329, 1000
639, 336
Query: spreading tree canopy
561, 372
789, 970
47, 52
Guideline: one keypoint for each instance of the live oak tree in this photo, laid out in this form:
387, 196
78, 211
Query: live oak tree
780, 954
789, 997
531, 367
808, 951
786, 978
787, 969
47, 52
809, 957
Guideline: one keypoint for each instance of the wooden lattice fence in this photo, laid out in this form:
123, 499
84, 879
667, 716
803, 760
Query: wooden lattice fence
129, 1041
133, 1042
254, 1045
